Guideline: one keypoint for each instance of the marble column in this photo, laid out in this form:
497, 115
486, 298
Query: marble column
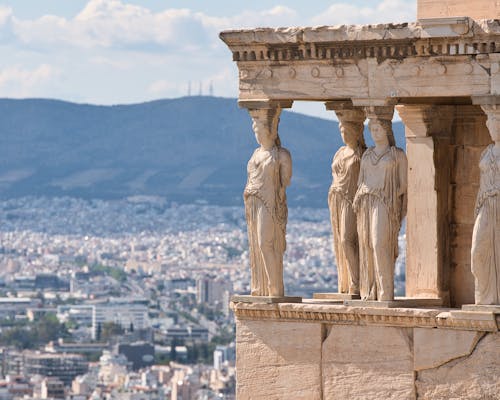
428, 130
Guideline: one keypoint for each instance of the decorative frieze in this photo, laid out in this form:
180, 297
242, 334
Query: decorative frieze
430, 37
340, 314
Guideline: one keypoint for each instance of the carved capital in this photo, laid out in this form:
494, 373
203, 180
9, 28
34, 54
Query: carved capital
346, 112
491, 110
422, 120
383, 113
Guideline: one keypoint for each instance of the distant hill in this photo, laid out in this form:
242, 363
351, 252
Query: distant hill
186, 149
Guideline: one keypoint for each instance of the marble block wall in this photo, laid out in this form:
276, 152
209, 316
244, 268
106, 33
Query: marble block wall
365, 354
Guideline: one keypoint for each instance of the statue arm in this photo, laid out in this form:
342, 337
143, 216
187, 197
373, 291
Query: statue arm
361, 176
285, 168
403, 181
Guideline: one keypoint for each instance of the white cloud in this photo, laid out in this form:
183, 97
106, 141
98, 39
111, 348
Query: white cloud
114, 24
17, 81
383, 12
114, 51
111, 23
5, 14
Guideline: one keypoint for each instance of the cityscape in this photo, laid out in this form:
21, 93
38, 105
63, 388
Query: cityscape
129, 299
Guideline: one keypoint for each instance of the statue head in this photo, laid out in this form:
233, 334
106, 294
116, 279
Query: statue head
351, 127
381, 131
493, 124
352, 134
265, 126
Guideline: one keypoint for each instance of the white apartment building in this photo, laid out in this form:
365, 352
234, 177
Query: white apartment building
123, 314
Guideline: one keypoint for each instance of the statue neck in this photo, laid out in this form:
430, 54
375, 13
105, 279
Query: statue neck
380, 148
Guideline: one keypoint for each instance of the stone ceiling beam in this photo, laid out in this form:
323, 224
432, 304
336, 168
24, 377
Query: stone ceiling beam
264, 104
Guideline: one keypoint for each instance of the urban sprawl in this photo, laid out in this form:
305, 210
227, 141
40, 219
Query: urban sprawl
129, 299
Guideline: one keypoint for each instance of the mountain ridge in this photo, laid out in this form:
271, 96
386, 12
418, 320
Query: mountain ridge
186, 149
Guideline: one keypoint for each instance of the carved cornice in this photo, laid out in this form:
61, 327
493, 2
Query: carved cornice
339, 314
432, 37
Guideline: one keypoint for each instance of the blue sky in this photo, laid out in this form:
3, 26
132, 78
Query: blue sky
128, 51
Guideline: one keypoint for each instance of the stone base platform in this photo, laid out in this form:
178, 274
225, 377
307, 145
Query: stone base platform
482, 308
334, 351
265, 299
398, 302
335, 296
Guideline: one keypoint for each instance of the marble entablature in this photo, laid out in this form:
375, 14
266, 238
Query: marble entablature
369, 64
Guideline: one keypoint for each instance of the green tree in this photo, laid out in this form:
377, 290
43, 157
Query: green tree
173, 350
110, 329
98, 335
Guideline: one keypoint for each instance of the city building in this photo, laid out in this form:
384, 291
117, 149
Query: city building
211, 290
12, 306
80, 314
51, 282
128, 316
187, 333
63, 366
140, 354
52, 388
223, 356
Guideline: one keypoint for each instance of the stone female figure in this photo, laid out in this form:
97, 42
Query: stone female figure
345, 173
485, 253
380, 206
269, 173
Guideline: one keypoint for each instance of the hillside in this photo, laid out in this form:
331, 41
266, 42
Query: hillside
186, 149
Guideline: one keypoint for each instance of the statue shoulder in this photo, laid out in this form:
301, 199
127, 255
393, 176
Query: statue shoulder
367, 152
284, 154
399, 152
339, 151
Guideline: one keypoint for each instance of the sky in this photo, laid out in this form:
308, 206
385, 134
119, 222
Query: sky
130, 51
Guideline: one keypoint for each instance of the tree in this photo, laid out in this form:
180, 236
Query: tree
173, 350
99, 332
110, 329
48, 328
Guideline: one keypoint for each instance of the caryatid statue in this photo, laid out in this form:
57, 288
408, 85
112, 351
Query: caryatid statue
345, 172
380, 206
485, 252
269, 173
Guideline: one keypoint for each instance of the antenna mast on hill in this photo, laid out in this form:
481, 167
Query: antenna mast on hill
211, 89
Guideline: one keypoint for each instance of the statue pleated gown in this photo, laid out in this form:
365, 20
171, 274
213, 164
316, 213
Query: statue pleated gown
345, 173
269, 172
485, 253
380, 206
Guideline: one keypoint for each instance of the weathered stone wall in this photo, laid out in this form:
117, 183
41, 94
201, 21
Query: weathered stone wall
280, 357
477, 9
470, 137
